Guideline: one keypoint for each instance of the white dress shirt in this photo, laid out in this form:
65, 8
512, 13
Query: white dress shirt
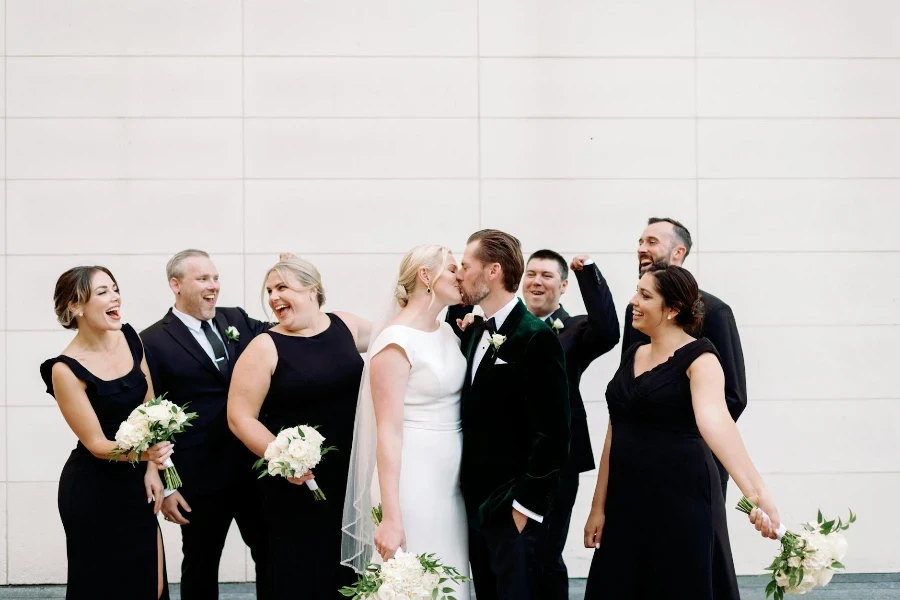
194, 324
499, 317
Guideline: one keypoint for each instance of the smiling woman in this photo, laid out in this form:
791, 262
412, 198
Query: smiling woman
97, 381
304, 371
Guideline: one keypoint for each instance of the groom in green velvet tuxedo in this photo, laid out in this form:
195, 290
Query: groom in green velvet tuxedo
515, 420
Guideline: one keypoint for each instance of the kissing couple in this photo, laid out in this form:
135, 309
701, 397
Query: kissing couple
461, 431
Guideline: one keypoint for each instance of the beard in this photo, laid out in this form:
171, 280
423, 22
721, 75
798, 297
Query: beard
479, 292
659, 261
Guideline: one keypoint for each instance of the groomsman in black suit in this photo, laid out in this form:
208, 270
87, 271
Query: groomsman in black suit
191, 353
584, 338
668, 241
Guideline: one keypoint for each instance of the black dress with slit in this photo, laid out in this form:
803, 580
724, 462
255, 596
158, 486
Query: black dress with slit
111, 531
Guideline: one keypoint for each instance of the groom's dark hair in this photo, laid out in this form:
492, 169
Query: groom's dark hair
499, 247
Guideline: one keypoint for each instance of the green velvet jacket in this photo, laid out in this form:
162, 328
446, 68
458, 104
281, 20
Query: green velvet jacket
515, 420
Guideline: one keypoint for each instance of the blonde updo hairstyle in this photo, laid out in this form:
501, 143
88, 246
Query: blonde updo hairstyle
299, 270
431, 257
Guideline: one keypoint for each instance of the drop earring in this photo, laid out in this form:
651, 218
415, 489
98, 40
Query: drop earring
428, 289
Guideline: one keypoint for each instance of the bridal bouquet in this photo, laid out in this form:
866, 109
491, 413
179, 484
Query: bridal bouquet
405, 577
293, 452
807, 559
156, 421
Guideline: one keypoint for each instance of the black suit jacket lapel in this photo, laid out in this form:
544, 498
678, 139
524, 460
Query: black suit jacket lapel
561, 314
183, 336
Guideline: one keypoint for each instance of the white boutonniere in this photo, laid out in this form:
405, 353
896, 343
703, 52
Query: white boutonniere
497, 340
557, 325
232, 333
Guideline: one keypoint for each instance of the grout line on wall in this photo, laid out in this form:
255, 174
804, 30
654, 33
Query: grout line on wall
697, 146
243, 168
449, 178
460, 56
478, 116
478, 98
5, 270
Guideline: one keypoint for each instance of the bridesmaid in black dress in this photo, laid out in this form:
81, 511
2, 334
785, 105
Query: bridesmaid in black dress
304, 371
105, 506
658, 516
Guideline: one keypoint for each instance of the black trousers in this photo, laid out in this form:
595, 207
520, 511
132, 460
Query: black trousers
203, 539
552, 579
504, 561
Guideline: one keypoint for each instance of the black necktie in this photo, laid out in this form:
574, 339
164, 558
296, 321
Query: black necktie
217, 346
549, 321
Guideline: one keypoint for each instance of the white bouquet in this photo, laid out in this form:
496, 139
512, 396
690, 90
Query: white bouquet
293, 452
156, 421
807, 559
405, 577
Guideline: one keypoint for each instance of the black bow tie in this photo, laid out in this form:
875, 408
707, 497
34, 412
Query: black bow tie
490, 326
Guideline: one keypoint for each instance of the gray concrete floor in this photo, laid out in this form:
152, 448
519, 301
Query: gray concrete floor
881, 586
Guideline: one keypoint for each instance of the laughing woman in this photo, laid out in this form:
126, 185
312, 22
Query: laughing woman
105, 505
304, 371
658, 487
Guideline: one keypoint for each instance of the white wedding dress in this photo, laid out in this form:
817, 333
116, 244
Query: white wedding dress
431, 503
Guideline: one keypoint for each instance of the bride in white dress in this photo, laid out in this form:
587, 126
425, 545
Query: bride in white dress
408, 441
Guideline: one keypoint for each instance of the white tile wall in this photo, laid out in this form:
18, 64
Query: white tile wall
798, 88
586, 87
124, 149
801, 28
349, 131
587, 148
777, 148
124, 87
4, 534
209, 217
108, 27
800, 216
585, 28
361, 148
361, 87
360, 28
804, 289
35, 534
279, 214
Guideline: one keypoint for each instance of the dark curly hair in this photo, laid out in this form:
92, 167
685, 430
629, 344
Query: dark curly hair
679, 290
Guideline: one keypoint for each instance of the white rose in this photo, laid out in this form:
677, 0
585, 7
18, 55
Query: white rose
274, 467
282, 441
272, 452
794, 562
823, 577
158, 414
430, 581
557, 324
386, 592
497, 340
781, 579
838, 546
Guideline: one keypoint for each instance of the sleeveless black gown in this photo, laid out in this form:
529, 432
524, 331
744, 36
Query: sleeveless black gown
665, 534
316, 383
110, 528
